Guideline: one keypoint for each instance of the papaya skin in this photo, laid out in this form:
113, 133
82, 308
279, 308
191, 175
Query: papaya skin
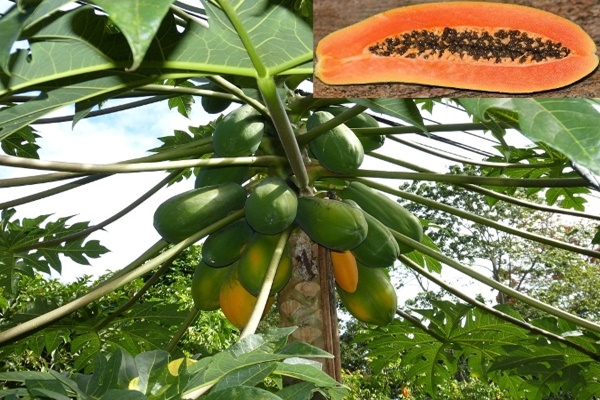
343, 56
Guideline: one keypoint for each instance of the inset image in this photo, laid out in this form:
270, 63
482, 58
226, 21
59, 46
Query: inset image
403, 48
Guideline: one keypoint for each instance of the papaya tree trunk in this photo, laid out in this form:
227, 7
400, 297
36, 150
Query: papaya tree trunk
308, 300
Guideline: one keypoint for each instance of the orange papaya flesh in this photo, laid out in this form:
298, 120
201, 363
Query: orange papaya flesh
374, 301
471, 45
206, 285
236, 302
255, 260
345, 271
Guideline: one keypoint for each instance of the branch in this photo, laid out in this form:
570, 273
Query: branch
496, 285
491, 193
481, 220
508, 318
137, 167
183, 328
470, 179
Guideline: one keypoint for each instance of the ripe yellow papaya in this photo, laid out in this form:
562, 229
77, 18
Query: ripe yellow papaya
255, 261
235, 301
271, 207
189, 212
331, 223
386, 210
374, 301
206, 285
345, 271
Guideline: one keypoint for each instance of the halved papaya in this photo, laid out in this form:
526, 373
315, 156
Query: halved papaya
472, 45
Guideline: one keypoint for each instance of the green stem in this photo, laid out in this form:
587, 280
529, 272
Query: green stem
137, 167
285, 132
491, 193
467, 126
508, 318
263, 295
34, 324
496, 285
230, 87
469, 179
305, 138
481, 220
462, 160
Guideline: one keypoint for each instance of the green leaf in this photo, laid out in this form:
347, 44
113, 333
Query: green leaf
305, 372
241, 392
138, 20
46, 388
251, 375
298, 391
152, 371
568, 125
123, 394
404, 109
11, 24
22, 143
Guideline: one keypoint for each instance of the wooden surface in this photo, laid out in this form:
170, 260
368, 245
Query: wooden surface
331, 15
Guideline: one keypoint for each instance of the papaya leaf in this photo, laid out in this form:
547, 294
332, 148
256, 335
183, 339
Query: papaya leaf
249, 376
138, 21
11, 24
22, 143
123, 394
298, 391
46, 388
151, 371
404, 109
568, 125
305, 372
110, 374
423, 260
241, 392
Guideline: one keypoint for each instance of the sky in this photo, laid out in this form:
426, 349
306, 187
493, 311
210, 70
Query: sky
130, 134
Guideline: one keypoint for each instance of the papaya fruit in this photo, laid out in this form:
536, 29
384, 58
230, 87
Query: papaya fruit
345, 271
331, 223
189, 212
379, 249
226, 245
374, 301
363, 120
214, 105
470, 45
206, 285
239, 133
255, 261
338, 149
235, 301
271, 207
215, 175
386, 210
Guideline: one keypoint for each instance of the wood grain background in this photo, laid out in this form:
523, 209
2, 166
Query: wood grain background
331, 15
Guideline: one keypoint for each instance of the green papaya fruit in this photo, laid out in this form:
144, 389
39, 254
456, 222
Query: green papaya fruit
208, 176
226, 245
386, 210
255, 261
331, 223
338, 149
214, 105
206, 285
189, 212
363, 120
379, 249
271, 207
374, 301
239, 133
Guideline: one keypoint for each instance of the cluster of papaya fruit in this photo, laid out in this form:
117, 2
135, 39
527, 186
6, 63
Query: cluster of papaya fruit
352, 220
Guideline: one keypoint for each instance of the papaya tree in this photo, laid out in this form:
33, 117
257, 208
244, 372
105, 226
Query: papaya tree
281, 195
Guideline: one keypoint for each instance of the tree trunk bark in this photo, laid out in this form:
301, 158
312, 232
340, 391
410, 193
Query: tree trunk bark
308, 301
